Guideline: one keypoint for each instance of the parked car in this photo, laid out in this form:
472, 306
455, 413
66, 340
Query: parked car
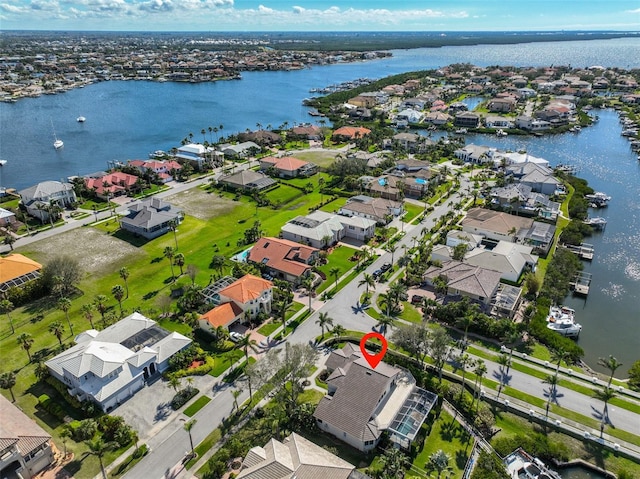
377, 273
235, 337
385, 267
416, 299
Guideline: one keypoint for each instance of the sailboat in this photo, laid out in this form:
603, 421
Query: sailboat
57, 144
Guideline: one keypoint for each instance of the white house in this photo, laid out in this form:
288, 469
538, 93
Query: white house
380, 210
199, 154
320, 229
38, 197
111, 365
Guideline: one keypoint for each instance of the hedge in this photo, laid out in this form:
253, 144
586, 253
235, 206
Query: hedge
183, 396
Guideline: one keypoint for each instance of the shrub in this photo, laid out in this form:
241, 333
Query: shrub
181, 398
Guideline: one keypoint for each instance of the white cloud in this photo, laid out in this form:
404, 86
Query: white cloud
636, 11
263, 9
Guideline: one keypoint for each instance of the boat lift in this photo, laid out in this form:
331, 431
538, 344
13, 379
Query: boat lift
581, 283
584, 251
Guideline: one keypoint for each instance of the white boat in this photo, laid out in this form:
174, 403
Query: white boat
521, 465
3, 162
461, 131
557, 313
501, 132
81, 119
57, 144
598, 199
561, 319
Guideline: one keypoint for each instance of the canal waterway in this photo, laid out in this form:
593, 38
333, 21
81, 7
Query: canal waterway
128, 119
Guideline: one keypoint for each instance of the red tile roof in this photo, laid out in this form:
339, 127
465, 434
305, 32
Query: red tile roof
286, 163
352, 131
222, 315
283, 255
116, 181
247, 288
15, 265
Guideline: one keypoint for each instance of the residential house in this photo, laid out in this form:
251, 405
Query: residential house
16, 270
363, 101
516, 158
321, 229
307, 132
7, 218
248, 180
466, 119
414, 104
502, 105
294, 457
165, 170
284, 259
411, 142
151, 218
498, 122
473, 282
511, 260
410, 115
261, 137
475, 154
363, 402
437, 118
199, 155
112, 184
109, 366
378, 209
519, 198
495, 225
506, 301
528, 123
241, 150
540, 178
350, 133
236, 302
540, 235
37, 198
288, 166
25, 448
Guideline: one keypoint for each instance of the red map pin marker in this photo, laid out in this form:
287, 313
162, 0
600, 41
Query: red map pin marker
373, 359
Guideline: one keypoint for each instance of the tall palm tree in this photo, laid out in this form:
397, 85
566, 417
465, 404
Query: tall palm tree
611, 364
101, 305
368, 281
179, 261
479, 371
552, 381
605, 395
8, 381
173, 226
188, 426
124, 274
6, 307
25, 340
324, 321
464, 322
464, 362
217, 263
309, 286
335, 272
118, 293
557, 356
236, 394
169, 253
284, 306
87, 312
385, 322
99, 448
247, 343
57, 329
64, 304
439, 461
392, 249
503, 361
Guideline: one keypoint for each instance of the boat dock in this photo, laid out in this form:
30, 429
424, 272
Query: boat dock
584, 251
597, 223
581, 283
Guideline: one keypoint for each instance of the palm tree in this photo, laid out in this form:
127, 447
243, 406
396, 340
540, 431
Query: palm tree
87, 312
174, 383
439, 461
557, 356
6, 307
335, 272
118, 293
217, 263
25, 340
479, 371
464, 322
247, 343
384, 323
392, 249
611, 364
57, 329
605, 395
393, 463
284, 306
236, 394
504, 362
124, 274
324, 321
64, 304
99, 448
8, 381
309, 286
173, 226
101, 305
338, 330
368, 281
464, 361
179, 261
552, 381
188, 426
169, 253
358, 255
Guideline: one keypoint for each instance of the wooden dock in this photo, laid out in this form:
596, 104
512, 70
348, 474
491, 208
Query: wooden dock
584, 251
581, 283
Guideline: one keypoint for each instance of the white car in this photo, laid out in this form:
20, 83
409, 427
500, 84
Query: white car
235, 337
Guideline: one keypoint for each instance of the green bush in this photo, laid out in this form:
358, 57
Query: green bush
183, 396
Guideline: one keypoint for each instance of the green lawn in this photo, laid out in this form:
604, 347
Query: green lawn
412, 212
338, 258
446, 434
410, 313
198, 404
224, 361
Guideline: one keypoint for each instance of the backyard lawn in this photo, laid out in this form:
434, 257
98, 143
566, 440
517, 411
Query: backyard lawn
338, 258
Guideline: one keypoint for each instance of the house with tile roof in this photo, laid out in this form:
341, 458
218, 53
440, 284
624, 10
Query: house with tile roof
495, 225
248, 180
25, 448
200, 155
16, 270
288, 166
363, 402
284, 259
36, 198
463, 279
540, 178
165, 169
294, 457
321, 229
381, 210
238, 302
109, 366
151, 218
349, 133
112, 184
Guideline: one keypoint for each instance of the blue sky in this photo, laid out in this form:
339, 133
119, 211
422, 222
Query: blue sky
314, 15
